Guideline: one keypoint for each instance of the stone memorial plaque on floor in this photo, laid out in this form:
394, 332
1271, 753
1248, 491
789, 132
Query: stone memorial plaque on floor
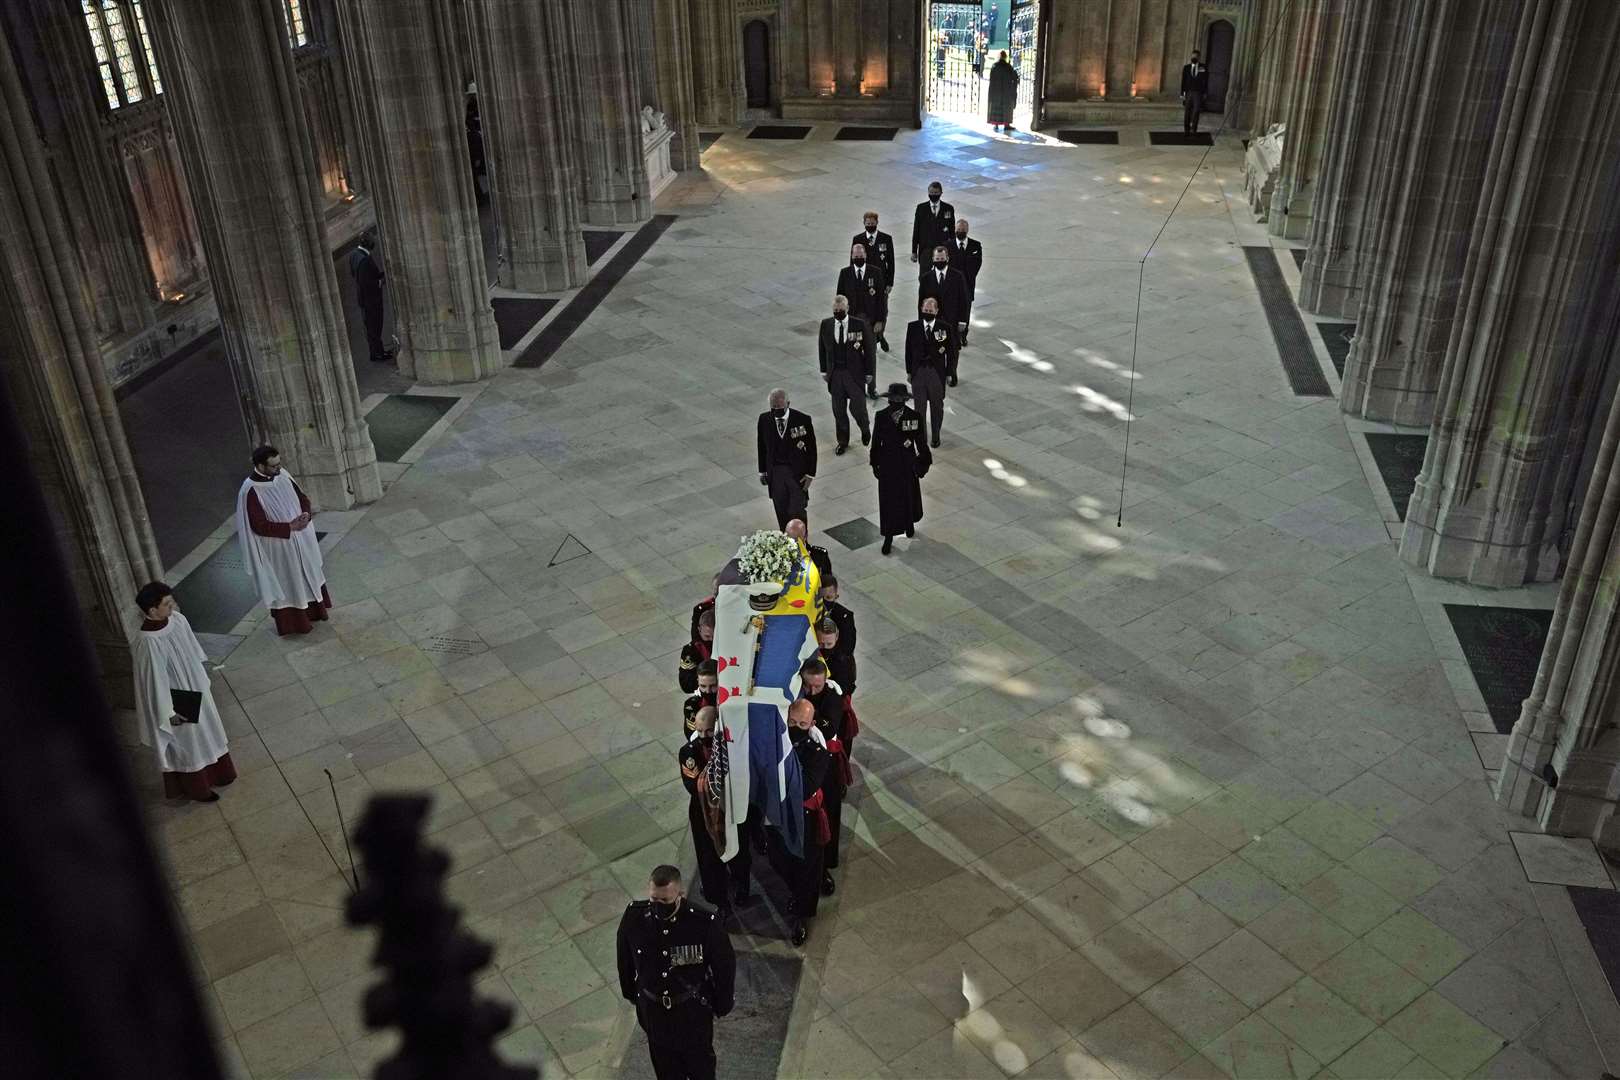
516, 316
598, 242
1399, 459
1336, 336
1503, 650
747, 1042
855, 533
866, 134
1089, 138
400, 420
1180, 138
1287, 328
778, 131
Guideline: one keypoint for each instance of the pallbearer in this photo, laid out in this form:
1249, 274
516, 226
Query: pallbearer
802, 873
695, 758
840, 670
176, 702
694, 652
838, 613
829, 718
282, 555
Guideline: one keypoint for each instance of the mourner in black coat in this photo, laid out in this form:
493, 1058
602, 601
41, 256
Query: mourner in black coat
787, 457
932, 223
967, 259
949, 288
866, 287
879, 246
899, 459
1194, 85
842, 352
931, 348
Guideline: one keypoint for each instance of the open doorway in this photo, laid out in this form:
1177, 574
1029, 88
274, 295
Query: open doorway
757, 64
1218, 55
961, 44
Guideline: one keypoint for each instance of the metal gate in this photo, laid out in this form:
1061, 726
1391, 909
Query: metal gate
954, 58
1023, 49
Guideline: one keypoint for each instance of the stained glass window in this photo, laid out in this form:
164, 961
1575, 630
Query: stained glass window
98, 42
146, 46
123, 52
296, 31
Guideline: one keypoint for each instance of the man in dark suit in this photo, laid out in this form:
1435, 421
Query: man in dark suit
967, 259
787, 457
945, 286
844, 349
879, 246
368, 293
930, 354
1194, 85
934, 222
866, 288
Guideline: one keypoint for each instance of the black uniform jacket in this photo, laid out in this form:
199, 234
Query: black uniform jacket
967, 262
952, 293
929, 228
667, 963
845, 621
853, 355
929, 349
796, 449
868, 294
880, 250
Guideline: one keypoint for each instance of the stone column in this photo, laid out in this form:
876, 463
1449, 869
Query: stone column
1570, 723
1344, 211
1445, 100
672, 35
233, 95
1316, 52
53, 372
1520, 366
717, 86
407, 76
613, 171
534, 165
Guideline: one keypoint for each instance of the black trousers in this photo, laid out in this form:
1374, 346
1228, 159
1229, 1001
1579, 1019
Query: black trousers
715, 876
1190, 110
847, 389
371, 307
835, 817
801, 875
681, 1042
788, 496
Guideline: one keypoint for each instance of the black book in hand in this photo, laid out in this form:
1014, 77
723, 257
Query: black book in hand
187, 704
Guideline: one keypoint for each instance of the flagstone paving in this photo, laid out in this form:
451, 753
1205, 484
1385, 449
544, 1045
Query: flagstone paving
1190, 795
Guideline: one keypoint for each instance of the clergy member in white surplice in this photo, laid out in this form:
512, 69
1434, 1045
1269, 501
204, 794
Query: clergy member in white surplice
175, 702
279, 548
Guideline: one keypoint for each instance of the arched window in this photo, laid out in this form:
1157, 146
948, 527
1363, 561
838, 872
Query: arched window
297, 32
121, 42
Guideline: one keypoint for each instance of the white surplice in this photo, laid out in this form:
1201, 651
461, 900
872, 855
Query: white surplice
171, 658
288, 573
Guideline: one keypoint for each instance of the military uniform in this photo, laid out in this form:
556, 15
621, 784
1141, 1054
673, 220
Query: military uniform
787, 454
714, 874
930, 357
693, 653
931, 226
879, 247
841, 670
697, 613
899, 459
844, 619
679, 973
829, 705
802, 874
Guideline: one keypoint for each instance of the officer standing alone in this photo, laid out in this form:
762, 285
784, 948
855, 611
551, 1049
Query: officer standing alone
677, 967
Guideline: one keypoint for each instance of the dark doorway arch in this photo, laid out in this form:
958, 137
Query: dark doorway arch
1218, 55
757, 63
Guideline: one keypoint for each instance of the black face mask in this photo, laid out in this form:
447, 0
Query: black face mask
932, 197
797, 735
664, 909
857, 262
839, 315
941, 263
782, 413
961, 236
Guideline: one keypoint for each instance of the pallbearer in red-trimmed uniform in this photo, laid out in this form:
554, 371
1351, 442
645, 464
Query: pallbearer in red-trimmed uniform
694, 652
803, 874
279, 548
840, 670
175, 701
838, 613
715, 875
829, 718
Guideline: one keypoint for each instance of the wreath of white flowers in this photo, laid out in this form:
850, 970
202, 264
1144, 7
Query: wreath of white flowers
767, 556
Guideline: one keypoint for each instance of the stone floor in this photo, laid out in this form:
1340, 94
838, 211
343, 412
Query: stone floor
1198, 795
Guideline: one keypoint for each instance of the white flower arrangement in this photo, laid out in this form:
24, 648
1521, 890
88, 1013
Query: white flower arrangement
767, 556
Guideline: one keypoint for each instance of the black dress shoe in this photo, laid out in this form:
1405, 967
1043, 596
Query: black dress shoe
740, 896
883, 343
839, 449
888, 544
952, 380
934, 443
801, 933
910, 532
866, 438
828, 885
212, 796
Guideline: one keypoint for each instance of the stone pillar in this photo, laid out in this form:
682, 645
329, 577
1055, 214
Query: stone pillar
534, 165
233, 96
1570, 723
1520, 366
54, 375
672, 35
1445, 99
1315, 55
850, 60
1344, 212
408, 81
717, 86
613, 171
